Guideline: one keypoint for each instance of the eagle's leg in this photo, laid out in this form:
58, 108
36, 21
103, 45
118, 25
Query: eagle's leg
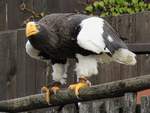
59, 77
86, 66
45, 89
82, 83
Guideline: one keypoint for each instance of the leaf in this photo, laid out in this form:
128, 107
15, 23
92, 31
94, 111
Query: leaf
135, 1
101, 4
137, 10
89, 8
96, 4
102, 14
120, 2
112, 9
125, 4
111, 1
106, 2
117, 7
149, 6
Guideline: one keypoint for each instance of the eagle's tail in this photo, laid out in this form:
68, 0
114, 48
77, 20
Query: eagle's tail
124, 56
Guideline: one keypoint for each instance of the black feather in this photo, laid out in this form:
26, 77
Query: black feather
116, 43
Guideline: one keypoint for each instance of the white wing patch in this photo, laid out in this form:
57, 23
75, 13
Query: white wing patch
91, 35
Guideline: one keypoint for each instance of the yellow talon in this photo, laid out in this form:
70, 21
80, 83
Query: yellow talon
48, 92
55, 89
83, 83
77, 87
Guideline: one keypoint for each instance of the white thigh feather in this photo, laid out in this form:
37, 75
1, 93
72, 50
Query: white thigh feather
60, 72
87, 65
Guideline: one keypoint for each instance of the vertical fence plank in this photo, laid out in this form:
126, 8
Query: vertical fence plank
40, 6
3, 15
145, 104
99, 107
14, 20
68, 109
15, 15
12, 64
53, 6
129, 103
85, 107
113, 106
21, 61
5, 62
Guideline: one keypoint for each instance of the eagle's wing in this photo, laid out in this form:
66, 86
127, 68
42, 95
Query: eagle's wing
98, 36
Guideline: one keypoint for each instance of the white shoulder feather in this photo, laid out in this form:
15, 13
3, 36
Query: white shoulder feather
91, 35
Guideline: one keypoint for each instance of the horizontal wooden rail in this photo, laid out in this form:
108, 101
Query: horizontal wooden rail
106, 90
139, 48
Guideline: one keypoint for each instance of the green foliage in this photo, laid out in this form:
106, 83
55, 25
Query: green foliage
116, 7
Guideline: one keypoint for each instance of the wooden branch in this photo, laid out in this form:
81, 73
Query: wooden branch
107, 90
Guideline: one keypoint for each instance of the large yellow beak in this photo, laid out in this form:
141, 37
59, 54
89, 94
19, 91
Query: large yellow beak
31, 29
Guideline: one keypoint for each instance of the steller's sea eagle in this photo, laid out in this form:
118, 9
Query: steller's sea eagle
88, 39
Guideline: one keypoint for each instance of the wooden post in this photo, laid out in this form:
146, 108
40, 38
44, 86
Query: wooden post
85, 107
145, 104
129, 103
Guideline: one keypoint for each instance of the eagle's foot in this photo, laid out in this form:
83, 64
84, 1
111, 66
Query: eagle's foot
83, 83
45, 90
48, 92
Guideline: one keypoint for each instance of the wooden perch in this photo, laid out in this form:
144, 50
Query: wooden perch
107, 90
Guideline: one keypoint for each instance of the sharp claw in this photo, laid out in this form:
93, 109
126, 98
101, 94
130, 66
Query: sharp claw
46, 93
55, 89
83, 83
77, 87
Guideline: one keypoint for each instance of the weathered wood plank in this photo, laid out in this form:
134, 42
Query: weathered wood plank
53, 6
129, 103
68, 109
21, 61
7, 56
142, 27
85, 107
98, 106
15, 15
145, 104
111, 106
12, 64
40, 6
3, 15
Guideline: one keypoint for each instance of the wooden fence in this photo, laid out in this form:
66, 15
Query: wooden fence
12, 17
125, 104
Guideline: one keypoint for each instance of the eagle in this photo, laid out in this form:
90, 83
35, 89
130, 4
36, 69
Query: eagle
87, 39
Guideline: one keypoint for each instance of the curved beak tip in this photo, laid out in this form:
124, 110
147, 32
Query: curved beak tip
31, 29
